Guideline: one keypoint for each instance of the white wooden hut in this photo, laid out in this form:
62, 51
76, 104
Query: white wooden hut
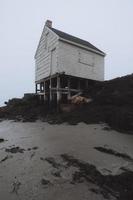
64, 64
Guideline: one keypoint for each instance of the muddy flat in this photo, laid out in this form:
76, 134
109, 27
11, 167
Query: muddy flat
64, 162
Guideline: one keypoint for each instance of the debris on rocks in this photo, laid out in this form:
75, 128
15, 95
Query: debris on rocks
1, 140
52, 161
5, 158
112, 152
80, 100
33, 148
57, 174
119, 186
32, 155
15, 150
110, 186
45, 182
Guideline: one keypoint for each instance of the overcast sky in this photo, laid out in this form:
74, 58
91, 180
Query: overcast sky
107, 24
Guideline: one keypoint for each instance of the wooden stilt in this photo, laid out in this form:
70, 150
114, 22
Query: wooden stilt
69, 91
36, 88
44, 90
58, 91
59, 87
50, 91
86, 84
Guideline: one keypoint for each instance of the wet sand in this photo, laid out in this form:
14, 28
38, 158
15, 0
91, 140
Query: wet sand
32, 165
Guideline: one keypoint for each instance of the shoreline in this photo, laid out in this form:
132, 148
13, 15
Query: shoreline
49, 157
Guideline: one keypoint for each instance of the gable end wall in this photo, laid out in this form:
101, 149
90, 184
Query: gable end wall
79, 62
43, 54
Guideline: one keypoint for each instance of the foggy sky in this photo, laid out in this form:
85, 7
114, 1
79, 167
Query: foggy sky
107, 24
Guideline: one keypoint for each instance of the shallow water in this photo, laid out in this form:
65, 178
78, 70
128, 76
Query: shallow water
21, 173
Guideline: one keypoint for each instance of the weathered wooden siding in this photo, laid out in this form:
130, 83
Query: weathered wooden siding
48, 42
78, 62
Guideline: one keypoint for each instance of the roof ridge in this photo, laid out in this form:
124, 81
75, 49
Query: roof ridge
78, 40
